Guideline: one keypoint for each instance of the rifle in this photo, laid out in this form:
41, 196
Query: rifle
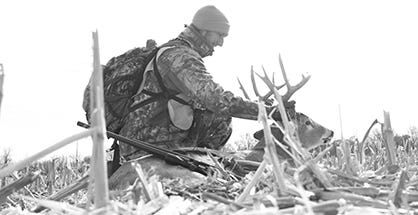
167, 155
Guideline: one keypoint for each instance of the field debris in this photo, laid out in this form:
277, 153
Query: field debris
345, 177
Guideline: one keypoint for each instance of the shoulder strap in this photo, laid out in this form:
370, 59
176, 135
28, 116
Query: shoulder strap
158, 75
165, 94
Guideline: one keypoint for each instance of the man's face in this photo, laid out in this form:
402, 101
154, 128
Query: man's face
215, 38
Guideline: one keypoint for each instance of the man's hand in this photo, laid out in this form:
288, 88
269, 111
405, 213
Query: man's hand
287, 105
269, 102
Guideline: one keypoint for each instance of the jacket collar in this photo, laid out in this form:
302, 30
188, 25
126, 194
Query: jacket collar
196, 41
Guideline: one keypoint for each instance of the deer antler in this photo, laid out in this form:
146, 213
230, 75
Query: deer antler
254, 84
270, 83
267, 81
291, 89
243, 90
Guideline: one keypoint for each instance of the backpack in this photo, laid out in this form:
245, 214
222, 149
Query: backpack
122, 78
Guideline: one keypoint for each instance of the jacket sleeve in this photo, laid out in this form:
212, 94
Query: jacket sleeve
184, 70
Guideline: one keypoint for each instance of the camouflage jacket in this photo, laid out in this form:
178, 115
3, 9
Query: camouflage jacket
183, 71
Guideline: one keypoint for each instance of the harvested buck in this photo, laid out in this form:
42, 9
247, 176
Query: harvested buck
310, 133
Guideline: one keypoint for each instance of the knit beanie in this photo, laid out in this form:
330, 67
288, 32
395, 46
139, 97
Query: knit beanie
211, 19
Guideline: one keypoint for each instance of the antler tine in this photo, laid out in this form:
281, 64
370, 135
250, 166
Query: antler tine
243, 90
265, 79
253, 82
291, 89
271, 92
270, 84
283, 72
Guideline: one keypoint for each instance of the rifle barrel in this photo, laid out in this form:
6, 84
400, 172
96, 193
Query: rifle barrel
165, 154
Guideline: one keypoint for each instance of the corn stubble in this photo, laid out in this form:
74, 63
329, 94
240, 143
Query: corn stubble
376, 175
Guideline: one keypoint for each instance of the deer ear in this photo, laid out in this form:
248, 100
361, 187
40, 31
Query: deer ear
258, 135
274, 130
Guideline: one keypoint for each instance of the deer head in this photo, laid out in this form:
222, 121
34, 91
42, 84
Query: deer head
311, 134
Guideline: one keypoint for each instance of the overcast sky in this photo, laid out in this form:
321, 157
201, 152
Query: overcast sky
362, 55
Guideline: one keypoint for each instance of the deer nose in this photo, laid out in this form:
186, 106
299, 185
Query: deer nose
328, 139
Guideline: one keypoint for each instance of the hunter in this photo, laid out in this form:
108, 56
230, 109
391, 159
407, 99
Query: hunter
201, 116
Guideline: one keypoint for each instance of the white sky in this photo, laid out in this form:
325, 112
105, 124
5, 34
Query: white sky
362, 55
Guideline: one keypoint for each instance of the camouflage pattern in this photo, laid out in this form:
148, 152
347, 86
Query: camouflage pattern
183, 71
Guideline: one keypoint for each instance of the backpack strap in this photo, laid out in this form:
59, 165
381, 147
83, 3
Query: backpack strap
165, 94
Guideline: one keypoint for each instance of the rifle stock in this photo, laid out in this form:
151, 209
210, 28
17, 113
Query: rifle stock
168, 155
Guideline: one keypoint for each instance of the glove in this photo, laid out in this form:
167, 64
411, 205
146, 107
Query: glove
269, 102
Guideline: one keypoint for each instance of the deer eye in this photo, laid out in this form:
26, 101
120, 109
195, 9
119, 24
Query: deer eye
308, 123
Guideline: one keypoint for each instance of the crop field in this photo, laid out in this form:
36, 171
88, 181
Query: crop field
356, 177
